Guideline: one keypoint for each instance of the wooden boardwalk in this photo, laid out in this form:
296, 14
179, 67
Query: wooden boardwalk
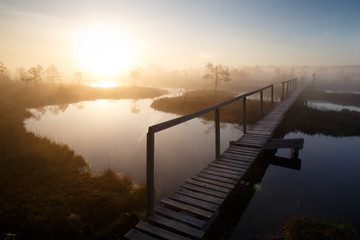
189, 212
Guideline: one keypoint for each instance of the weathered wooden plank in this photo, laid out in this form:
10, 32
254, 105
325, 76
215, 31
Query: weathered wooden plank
243, 155
180, 216
216, 178
245, 151
205, 190
200, 196
208, 185
212, 207
187, 208
236, 172
237, 157
159, 232
134, 234
179, 227
224, 166
215, 182
221, 174
239, 161
230, 163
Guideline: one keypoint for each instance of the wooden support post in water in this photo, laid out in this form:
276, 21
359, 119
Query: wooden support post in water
261, 104
244, 115
150, 174
217, 132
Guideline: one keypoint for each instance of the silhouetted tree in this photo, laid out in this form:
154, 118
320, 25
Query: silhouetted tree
134, 74
35, 73
78, 76
53, 74
217, 73
4, 72
24, 76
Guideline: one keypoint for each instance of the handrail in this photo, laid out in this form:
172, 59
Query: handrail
173, 122
290, 85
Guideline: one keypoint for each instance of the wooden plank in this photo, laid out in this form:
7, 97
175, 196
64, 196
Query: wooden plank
200, 196
179, 227
134, 234
159, 232
245, 151
212, 207
208, 185
187, 208
237, 157
236, 172
221, 174
180, 216
239, 161
239, 152
230, 163
205, 190
216, 178
214, 182
224, 166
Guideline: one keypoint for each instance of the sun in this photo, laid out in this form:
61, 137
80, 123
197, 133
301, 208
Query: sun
104, 49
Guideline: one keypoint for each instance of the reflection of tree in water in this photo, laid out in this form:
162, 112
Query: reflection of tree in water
39, 113
56, 109
134, 107
79, 105
211, 124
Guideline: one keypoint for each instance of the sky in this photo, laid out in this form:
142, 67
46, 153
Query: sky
116, 35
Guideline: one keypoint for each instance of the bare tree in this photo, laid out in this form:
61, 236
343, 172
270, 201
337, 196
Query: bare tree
4, 72
78, 76
217, 74
35, 73
53, 74
24, 76
134, 74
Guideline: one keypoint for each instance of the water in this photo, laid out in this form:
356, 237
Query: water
112, 133
327, 186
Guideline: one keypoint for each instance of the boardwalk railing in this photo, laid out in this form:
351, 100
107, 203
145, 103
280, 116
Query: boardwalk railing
168, 124
290, 86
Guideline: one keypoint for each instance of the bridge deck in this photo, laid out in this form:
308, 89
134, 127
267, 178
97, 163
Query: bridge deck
189, 212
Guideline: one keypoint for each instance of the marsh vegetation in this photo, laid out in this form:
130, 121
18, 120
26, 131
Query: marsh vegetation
49, 192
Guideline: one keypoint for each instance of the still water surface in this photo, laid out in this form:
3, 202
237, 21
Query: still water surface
112, 133
326, 187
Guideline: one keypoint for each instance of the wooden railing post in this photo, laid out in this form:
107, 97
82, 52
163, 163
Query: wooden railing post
282, 93
272, 96
217, 132
287, 89
261, 104
150, 144
244, 115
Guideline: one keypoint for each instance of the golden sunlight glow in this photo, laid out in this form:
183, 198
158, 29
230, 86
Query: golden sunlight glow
105, 84
104, 50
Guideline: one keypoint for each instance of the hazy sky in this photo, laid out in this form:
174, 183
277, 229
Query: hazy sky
179, 34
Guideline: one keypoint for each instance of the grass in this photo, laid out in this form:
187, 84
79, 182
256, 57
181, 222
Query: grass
301, 118
310, 228
49, 192
314, 229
